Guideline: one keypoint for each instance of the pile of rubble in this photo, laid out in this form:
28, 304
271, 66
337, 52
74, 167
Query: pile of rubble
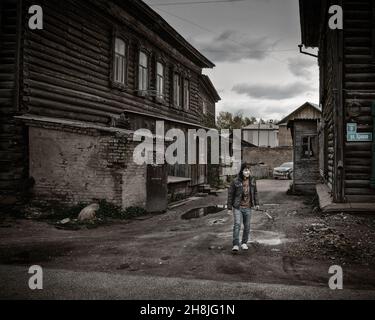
344, 238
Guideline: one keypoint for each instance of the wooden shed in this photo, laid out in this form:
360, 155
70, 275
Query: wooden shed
308, 110
305, 155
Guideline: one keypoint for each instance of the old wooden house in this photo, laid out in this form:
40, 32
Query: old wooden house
73, 92
347, 91
305, 154
307, 111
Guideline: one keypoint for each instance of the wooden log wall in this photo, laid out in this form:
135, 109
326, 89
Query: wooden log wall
13, 139
326, 62
359, 95
67, 66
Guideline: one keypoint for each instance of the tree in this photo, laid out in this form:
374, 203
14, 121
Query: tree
248, 121
227, 120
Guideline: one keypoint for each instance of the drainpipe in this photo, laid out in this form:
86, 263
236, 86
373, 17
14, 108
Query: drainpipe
372, 181
307, 53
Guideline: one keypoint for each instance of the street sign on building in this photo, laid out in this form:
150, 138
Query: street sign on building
354, 136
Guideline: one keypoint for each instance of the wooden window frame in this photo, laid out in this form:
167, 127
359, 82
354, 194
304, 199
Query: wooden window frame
180, 91
310, 142
204, 107
160, 98
115, 84
187, 105
143, 92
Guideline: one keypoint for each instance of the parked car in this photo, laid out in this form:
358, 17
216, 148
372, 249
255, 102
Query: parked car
284, 171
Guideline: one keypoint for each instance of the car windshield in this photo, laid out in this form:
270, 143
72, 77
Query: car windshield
287, 165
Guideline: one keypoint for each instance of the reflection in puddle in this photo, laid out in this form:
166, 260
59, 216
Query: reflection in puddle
269, 242
267, 238
201, 212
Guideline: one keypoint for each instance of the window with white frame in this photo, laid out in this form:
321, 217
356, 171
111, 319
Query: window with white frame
119, 72
177, 90
204, 107
160, 80
143, 71
186, 94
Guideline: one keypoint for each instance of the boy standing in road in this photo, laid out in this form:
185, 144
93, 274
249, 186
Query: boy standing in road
242, 196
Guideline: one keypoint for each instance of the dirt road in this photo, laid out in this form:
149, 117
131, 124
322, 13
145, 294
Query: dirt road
197, 245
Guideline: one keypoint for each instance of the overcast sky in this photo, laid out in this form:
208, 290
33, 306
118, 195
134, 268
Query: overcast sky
259, 70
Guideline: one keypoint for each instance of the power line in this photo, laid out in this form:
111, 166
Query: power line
211, 31
193, 2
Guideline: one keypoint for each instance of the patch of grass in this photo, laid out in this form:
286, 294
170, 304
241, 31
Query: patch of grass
109, 210
132, 212
54, 213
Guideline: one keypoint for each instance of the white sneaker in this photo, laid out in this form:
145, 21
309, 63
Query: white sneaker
244, 246
235, 248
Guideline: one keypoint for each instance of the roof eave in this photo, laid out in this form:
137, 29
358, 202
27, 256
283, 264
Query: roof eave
310, 21
201, 60
207, 83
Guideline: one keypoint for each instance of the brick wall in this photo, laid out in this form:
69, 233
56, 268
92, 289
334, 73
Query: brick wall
272, 157
74, 165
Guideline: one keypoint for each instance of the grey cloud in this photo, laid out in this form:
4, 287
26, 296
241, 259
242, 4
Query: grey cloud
280, 109
273, 92
301, 66
230, 46
248, 109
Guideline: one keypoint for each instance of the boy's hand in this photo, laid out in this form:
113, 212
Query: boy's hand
256, 208
230, 211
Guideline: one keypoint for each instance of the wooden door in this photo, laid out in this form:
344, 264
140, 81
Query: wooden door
157, 188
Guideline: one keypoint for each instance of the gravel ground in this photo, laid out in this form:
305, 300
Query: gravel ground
296, 247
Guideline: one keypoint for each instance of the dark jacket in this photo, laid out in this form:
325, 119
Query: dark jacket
236, 189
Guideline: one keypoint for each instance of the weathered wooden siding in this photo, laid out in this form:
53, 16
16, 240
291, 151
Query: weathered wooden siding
67, 66
196, 172
359, 94
12, 135
326, 92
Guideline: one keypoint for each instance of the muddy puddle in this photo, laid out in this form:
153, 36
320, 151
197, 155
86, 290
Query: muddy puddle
261, 237
201, 212
32, 254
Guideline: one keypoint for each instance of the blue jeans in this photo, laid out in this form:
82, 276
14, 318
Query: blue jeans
245, 213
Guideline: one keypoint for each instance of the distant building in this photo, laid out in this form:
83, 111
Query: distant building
262, 135
307, 111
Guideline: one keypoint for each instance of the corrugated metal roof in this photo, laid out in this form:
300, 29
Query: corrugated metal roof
305, 105
266, 126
